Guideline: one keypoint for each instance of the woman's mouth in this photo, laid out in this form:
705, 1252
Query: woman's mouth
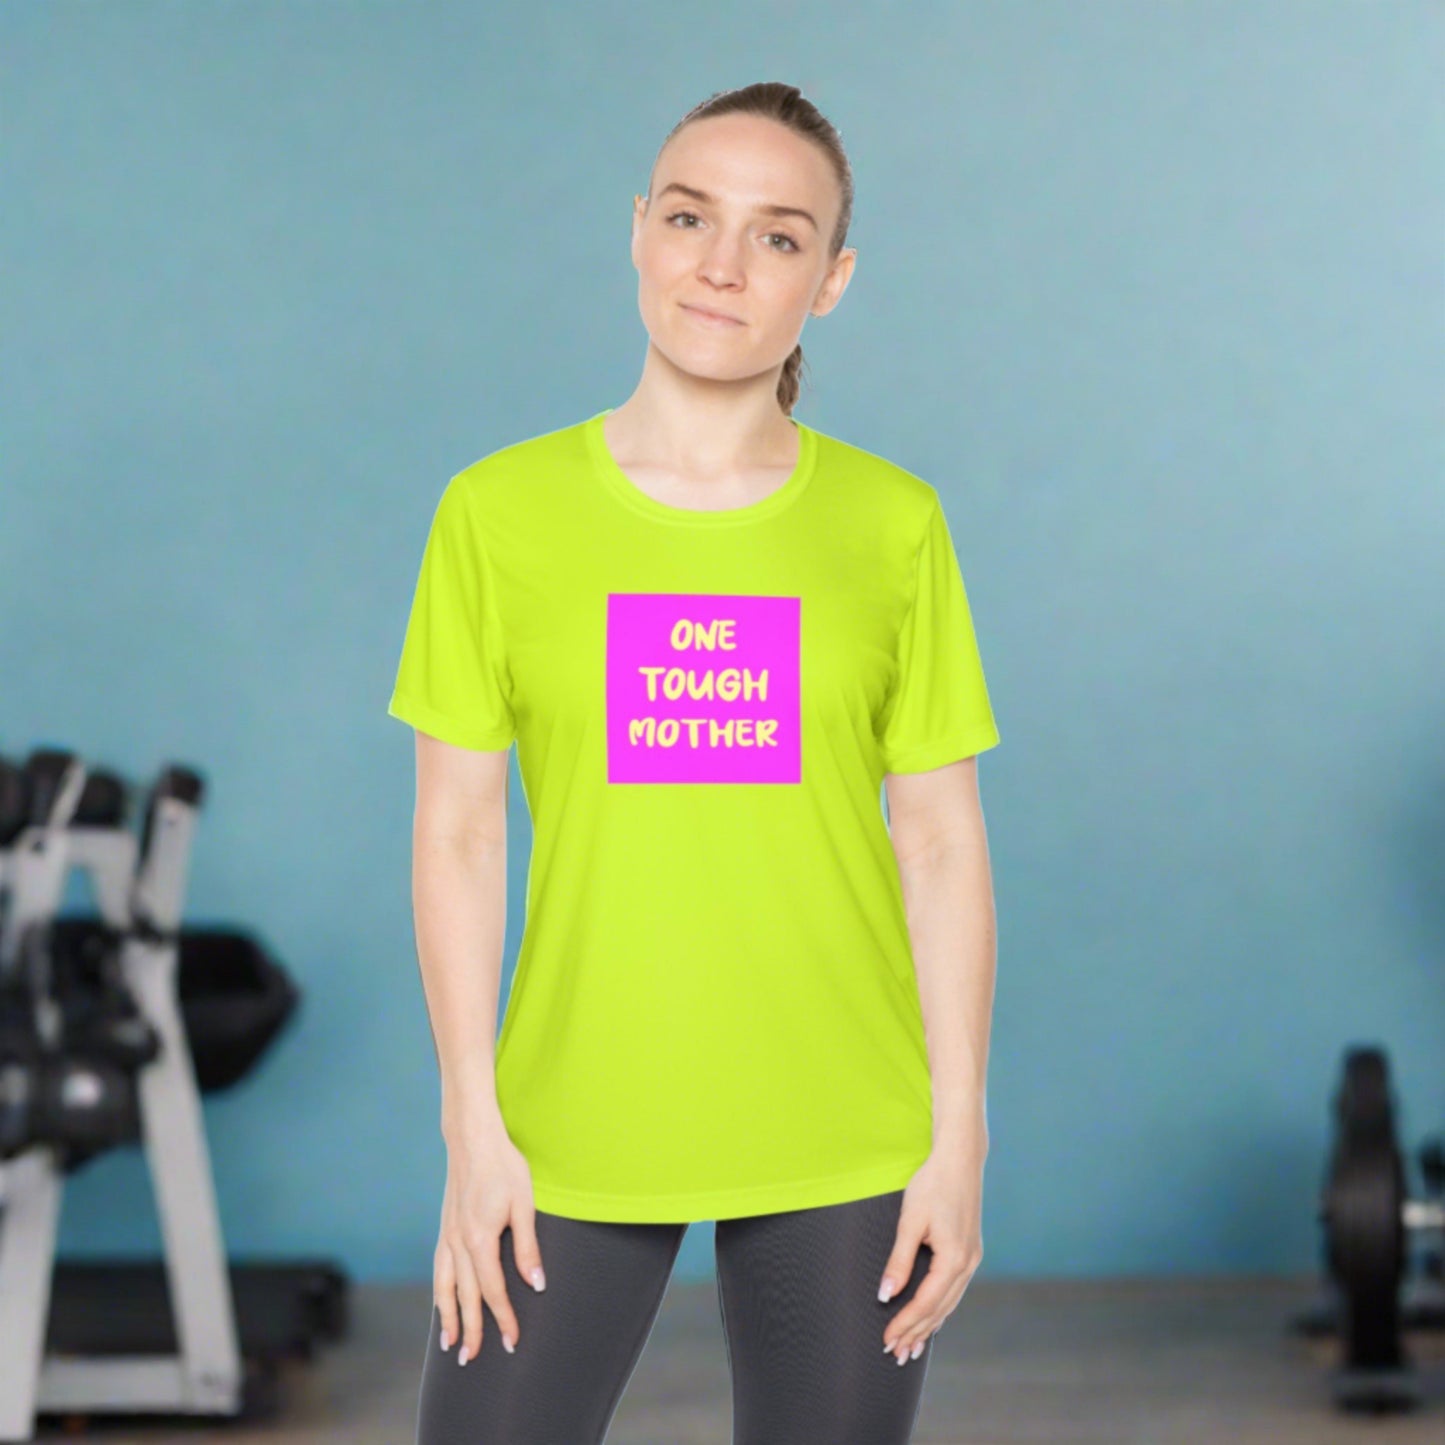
710, 318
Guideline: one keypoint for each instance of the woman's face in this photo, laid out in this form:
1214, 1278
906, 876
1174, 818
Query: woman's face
709, 239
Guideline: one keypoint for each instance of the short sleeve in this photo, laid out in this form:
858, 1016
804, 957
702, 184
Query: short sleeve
939, 709
452, 681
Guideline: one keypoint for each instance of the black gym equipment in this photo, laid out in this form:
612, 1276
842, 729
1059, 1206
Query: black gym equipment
110, 1027
1369, 1219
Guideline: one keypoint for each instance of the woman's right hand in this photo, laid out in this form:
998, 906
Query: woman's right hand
489, 1186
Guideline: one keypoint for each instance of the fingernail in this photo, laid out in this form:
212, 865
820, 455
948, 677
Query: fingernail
885, 1293
508, 1346
903, 1357
446, 1340
917, 1350
539, 1280
463, 1357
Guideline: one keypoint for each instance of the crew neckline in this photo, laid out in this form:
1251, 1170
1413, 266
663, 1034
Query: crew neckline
628, 492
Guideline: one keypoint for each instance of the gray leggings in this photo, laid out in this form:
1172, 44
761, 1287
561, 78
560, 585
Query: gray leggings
798, 1294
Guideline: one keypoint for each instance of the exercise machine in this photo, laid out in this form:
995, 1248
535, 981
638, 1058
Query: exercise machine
111, 1027
1372, 1225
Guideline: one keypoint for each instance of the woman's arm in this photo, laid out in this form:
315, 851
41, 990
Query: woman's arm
936, 823
459, 892
459, 898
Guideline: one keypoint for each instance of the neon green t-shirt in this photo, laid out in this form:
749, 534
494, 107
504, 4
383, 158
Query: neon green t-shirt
714, 1011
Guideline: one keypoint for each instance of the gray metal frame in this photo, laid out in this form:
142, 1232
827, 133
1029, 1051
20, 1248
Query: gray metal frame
205, 1377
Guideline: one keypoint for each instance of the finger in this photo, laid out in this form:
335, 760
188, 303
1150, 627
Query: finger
494, 1290
469, 1296
899, 1268
913, 1342
525, 1248
925, 1304
444, 1290
915, 1335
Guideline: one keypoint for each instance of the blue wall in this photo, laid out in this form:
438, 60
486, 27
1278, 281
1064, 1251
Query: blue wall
1153, 294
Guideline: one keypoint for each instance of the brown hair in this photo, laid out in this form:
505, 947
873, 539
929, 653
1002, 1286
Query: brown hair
786, 104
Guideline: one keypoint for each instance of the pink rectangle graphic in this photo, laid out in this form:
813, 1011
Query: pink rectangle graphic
703, 688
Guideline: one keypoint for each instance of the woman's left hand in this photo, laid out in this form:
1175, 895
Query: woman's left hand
942, 1207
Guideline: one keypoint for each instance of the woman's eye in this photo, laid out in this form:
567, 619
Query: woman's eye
773, 235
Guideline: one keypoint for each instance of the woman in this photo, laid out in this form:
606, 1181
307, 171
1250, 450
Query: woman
742, 996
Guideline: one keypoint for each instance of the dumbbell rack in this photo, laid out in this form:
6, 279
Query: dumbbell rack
139, 889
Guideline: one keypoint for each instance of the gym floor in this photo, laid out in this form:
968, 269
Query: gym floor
1118, 1363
